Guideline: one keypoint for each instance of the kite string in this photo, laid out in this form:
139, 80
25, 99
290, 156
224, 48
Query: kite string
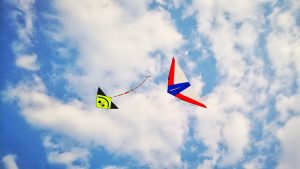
132, 88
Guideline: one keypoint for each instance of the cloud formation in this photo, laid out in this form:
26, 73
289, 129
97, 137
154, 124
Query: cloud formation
235, 34
112, 41
28, 62
62, 153
118, 42
9, 161
289, 137
147, 136
23, 20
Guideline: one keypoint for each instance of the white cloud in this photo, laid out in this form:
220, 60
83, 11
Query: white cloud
140, 130
236, 138
232, 32
283, 49
115, 43
60, 153
9, 161
113, 167
288, 105
28, 62
24, 30
68, 158
25, 33
223, 123
171, 4
243, 86
247, 36
289, 138
255, 163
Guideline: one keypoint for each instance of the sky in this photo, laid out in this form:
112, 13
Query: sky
242, 59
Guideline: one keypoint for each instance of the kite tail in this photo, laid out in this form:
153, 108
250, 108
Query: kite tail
132, 88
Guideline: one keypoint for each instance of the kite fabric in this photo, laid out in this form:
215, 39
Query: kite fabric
178, 85
103, 101
133, 88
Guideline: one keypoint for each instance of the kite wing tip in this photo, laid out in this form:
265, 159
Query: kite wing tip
203, 105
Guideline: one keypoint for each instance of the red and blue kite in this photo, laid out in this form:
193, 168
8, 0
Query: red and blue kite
178, 85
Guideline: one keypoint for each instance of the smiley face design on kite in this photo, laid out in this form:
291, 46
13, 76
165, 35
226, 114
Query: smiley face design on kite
103, 102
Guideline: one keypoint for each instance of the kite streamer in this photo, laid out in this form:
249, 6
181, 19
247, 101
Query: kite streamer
132, 88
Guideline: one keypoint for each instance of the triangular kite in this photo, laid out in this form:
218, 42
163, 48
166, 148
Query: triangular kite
103, 101
178, 85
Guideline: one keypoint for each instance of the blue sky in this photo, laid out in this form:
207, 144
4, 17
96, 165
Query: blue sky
241, 57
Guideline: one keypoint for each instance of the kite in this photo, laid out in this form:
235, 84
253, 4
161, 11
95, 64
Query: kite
105, 102
178, 85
